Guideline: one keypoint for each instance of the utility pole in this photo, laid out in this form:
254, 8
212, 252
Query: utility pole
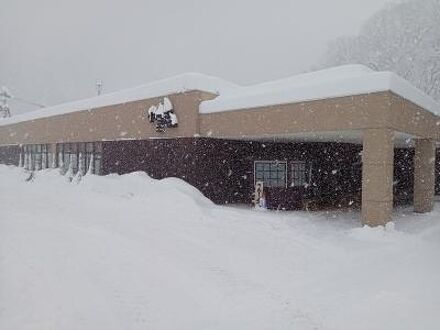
98, 86
4, 107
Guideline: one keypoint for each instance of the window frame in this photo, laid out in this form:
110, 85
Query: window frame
271, 162
302, 174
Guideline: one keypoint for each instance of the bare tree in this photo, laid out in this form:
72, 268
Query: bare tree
403, 38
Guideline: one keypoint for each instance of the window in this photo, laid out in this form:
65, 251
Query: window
298, 174
272, 173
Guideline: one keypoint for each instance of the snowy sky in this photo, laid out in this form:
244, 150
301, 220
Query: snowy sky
53, 51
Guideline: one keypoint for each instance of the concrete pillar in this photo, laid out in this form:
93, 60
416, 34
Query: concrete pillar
424, 175
377, 176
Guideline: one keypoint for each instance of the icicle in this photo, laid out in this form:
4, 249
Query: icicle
81, 165
20, 162
81, 169
44, 161
26, 161
61, 163
31, 161
91, 169
70, 172
37, 163
54, 160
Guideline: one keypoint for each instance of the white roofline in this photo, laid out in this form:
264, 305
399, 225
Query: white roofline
366, 83
348, 80
174, 85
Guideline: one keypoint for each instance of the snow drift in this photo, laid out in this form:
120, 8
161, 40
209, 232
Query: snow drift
130, 252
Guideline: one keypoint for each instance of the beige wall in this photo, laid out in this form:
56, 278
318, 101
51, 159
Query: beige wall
424, 175
360, 112
405, 116
116, 122
377, 176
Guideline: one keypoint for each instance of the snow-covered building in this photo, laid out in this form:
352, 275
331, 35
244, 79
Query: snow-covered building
341, 137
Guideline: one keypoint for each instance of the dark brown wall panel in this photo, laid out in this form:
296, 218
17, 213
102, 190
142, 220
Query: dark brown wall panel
223, 170
10, 155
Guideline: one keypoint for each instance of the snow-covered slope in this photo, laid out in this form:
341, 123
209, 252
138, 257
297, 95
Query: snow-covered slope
129, 252
340, 81
176, 84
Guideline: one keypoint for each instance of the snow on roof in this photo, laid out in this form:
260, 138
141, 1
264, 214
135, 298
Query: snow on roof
347, 80
173, 85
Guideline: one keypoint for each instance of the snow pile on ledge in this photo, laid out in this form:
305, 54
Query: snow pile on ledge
348, 80
129, 252
177, 84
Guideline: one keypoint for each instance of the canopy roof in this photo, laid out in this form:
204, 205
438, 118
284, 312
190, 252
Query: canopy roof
335, 82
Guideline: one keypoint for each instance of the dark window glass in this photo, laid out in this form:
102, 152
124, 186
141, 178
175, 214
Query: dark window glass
272, 173
298, 174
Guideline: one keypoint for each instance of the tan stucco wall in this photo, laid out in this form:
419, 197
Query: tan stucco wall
405, 116
376, 110
116, 122
377, 176
424, 175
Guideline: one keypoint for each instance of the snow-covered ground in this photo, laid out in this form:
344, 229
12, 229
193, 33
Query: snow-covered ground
128, 252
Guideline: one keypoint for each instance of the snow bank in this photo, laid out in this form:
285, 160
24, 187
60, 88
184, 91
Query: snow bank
177, 84
168, 192
341, 81
130, 252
